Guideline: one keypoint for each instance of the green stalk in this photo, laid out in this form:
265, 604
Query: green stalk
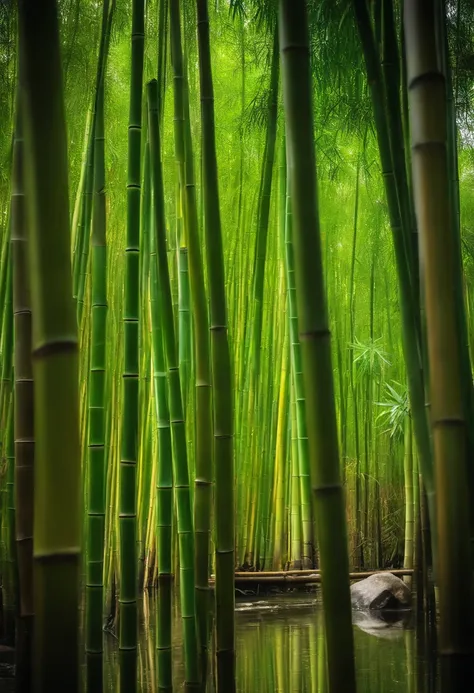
162, 55
10, 590
23, 413
430, 164
452, 148
178, 429
295, 505
411, 337
314, 336
129, 444
96, 442
222, 377
81, 257
307, 545
164, 484
409, 505
264, 209
203, 427
57, 504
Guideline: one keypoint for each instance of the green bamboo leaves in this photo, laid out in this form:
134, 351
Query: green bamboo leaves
58, 511
315, 344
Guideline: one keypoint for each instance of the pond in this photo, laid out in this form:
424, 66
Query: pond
280, 649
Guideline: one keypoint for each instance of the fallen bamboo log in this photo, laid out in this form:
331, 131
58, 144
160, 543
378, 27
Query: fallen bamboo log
302, 576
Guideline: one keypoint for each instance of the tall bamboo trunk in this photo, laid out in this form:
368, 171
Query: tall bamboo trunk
222, 377
23, 413
178, 431
428, 120
409, 504
406, 270
203, 427
315, 345
57, 505
164, 485
96, 442
129, 433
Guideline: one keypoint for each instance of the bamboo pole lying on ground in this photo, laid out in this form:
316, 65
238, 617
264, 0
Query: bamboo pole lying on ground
305, 576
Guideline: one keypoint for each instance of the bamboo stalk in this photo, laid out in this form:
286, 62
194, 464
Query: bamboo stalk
222, 375
328, 496
180, 458
58, 507
428, 120
23, 412
128, 626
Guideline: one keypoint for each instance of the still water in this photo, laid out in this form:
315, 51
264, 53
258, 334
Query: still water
280, 649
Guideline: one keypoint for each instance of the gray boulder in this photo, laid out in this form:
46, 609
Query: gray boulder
380, 591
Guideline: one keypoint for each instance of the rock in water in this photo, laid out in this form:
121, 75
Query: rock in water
388, 625
380, 591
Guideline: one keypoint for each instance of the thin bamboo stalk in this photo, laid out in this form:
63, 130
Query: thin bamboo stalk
23, 414
129, 452
221, 372
178, 431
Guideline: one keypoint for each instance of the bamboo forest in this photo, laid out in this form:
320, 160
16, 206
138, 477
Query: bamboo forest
237, 346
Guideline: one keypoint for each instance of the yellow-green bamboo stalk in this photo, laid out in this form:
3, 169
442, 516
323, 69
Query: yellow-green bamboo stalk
409, 506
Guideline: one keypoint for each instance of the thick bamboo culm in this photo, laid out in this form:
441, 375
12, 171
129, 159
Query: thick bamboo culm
58, 508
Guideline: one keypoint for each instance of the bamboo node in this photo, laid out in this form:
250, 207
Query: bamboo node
68, 554
314, 334
56, 347
322, 488
451, 421
426, 77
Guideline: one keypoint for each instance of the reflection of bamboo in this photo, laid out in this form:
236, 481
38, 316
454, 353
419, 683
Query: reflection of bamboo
322, 663
409, 637
295, 659
313, 656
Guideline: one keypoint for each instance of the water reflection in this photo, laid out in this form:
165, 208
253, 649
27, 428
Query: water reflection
280, 649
